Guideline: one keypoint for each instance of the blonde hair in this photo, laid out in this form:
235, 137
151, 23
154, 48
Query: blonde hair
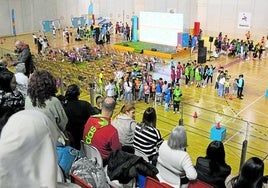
126, 108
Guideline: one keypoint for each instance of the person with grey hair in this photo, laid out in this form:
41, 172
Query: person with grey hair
100, 133
174, 163
24, 56
21, 79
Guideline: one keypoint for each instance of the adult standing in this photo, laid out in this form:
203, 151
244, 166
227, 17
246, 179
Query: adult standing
78, 112
41, 96
100, 133
28, 155
240, 86
25, 57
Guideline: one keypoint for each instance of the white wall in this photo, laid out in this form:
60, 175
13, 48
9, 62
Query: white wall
28, 15
214, 15
222, 15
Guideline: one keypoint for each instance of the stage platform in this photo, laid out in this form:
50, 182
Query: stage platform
161, 51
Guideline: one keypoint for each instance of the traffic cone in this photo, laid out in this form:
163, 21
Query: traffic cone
231, 97
195, 115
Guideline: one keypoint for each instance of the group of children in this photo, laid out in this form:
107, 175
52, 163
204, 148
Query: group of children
224, 86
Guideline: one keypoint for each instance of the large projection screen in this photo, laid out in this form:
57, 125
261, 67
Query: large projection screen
160, 28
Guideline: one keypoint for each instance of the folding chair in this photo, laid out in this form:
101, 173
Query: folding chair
198, 184
91, 152
152, 183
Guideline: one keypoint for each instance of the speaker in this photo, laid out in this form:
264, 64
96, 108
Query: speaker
202, 55
210, 39
200, 43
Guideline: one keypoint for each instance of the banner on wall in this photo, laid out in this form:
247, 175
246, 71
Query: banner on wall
13, 22
91, 19
244, 19
171, 10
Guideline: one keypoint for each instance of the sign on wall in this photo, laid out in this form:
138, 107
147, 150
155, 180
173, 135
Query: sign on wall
244, 19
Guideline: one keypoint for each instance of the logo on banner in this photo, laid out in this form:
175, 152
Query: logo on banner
244, 20
171, 10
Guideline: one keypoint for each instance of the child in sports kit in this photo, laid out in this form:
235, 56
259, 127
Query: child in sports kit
177, 93
167, 97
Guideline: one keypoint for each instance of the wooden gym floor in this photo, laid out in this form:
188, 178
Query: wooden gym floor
243, 119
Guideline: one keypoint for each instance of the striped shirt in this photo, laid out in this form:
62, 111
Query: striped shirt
147, 140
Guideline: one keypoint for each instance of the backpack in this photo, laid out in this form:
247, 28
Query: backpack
66, 156
91, 172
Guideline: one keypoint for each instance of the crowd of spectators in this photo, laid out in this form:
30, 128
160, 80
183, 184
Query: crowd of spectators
52, 117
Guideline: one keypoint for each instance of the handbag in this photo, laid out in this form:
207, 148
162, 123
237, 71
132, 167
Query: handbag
66, 156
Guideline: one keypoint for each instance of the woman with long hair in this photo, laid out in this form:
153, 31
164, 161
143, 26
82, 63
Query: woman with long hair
147, 137
125, 124
11, 100
213, 169
250, 176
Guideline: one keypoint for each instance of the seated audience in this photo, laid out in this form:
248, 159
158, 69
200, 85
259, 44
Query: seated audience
250, 176
99, 132
147, 137
28, 155
3, 64
78, 112
11, 100
174, 163
97, 108
125, 124
213, 169
42, 96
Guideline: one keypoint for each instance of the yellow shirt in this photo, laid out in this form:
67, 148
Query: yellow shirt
100, 78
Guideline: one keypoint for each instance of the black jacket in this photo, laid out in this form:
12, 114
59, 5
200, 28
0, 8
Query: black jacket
123, 166
215, 178
78, 112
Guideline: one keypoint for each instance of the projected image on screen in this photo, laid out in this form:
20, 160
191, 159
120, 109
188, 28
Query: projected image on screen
160, 28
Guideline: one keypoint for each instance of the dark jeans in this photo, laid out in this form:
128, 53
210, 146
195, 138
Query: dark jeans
176, 105
187, 79
239, 92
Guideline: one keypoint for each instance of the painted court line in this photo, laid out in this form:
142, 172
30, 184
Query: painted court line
240, 130
250, 104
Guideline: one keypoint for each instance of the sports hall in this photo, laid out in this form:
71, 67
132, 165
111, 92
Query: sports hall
201, 108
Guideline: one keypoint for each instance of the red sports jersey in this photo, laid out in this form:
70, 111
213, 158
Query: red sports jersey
99, 132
